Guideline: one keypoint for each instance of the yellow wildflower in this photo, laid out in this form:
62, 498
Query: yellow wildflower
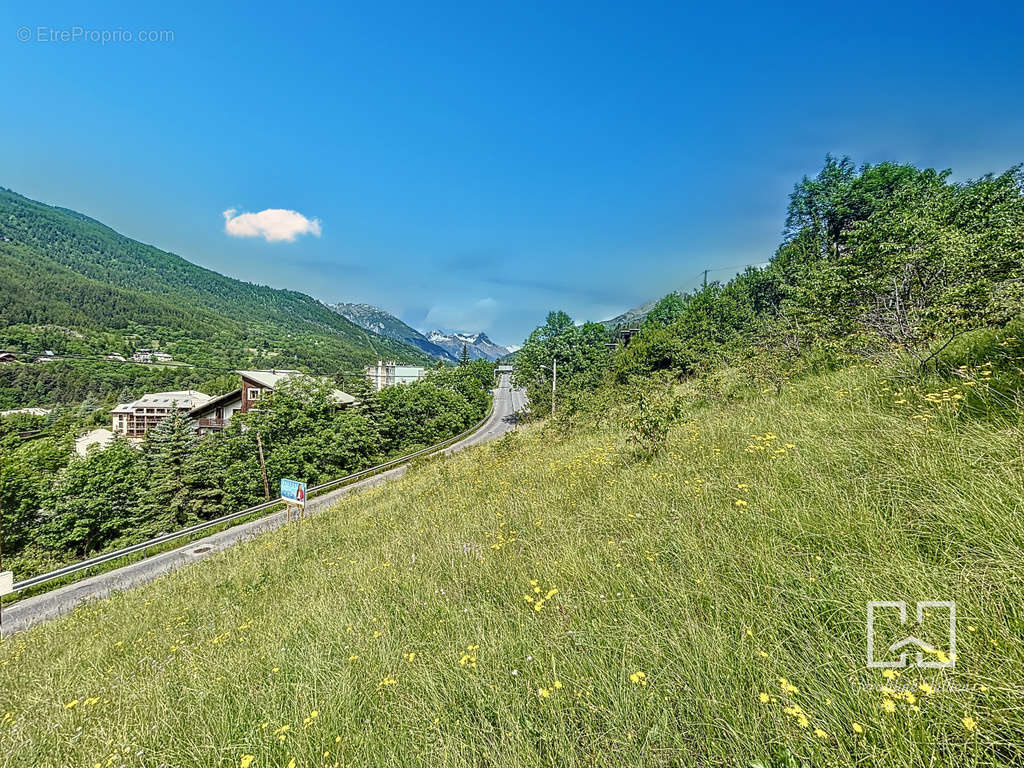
788, 687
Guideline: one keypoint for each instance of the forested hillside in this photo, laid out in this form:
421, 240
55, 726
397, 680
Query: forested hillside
73, 285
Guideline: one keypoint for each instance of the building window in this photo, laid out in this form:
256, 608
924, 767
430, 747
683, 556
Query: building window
253, 393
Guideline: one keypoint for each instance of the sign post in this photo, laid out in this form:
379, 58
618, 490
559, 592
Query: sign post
6, 587
293, 494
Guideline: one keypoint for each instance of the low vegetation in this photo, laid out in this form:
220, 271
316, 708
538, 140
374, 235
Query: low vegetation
557, 598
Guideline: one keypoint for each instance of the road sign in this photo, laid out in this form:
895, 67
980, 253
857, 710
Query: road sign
293, 492
6, 582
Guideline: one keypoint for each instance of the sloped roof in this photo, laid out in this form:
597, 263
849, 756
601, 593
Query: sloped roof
270, 380
214, 402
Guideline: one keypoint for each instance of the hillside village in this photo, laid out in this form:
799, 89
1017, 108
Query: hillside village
173, 444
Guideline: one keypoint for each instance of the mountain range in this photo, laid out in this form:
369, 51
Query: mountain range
385, 324
439, 345
73, 285
477, 345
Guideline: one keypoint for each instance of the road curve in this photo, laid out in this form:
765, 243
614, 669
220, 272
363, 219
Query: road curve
32, 610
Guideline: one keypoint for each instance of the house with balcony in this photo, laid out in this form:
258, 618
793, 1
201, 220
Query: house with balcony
133, 420
257, 384
216, 413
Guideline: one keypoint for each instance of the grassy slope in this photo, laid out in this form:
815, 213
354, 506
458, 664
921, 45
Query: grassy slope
850, 496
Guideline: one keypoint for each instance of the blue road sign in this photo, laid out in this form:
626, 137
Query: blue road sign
293, 491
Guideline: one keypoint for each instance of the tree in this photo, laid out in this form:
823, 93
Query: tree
582, 353
27, 473
94, 501
464, 357
666, 311
168, 502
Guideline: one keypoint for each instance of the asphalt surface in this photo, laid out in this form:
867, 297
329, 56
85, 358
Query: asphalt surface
32, 610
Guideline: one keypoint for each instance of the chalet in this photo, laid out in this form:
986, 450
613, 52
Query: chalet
216, 413
7, 357
133, 420
387, 374
256, 384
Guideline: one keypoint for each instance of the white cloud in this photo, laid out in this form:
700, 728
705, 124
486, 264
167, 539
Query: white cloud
272, 224
471, 318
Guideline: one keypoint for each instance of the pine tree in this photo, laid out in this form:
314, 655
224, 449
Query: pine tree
464, 357
166, 501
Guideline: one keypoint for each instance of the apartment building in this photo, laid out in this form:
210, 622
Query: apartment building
133, 420
388, 374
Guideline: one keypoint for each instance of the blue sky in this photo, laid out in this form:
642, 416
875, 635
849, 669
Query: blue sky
472, 166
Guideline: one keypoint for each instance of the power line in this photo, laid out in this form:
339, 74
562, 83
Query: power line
183, 364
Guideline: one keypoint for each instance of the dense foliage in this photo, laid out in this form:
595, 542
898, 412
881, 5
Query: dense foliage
877, 259
107, 382
559, 352
59, 506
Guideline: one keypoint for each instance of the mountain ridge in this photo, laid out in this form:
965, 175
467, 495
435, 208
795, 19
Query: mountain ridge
71, 283
478, 346
383, 323
436, 343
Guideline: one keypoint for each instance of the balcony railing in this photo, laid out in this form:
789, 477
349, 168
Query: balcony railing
212, 423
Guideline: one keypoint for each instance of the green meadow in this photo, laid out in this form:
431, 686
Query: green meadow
559, 598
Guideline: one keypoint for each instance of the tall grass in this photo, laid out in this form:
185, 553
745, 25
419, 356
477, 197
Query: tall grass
419, 623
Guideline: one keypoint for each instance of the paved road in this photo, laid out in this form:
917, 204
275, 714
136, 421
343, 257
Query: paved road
24, 613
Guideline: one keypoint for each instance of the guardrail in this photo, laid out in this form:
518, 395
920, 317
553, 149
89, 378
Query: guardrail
67, 570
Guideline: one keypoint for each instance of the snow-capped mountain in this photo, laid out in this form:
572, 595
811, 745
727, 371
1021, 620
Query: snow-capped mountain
477, 345
385, 324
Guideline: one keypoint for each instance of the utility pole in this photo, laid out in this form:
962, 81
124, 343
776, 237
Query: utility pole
705, 279
263, 466
554, 383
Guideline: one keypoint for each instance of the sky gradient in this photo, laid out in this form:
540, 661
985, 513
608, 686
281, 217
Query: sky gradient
472, 168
